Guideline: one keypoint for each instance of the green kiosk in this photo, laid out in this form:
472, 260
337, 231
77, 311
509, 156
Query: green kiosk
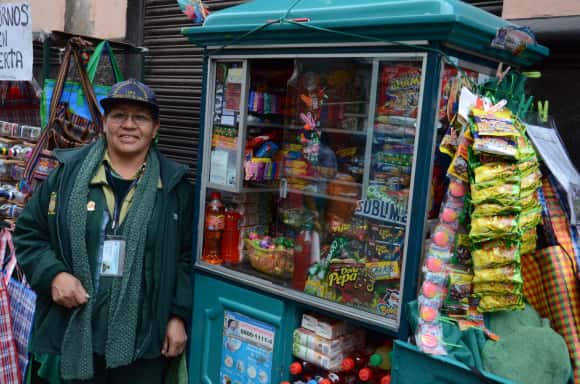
315, 171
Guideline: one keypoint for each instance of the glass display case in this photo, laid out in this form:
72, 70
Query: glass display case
307, 176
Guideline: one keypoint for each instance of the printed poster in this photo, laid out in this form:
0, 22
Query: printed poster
247, 350
15, 41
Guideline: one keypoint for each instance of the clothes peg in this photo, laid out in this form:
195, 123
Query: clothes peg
500, 73
543, 111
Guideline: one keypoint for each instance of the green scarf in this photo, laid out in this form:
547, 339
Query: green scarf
77, 346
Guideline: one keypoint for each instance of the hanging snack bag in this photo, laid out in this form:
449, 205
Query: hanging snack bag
497, 146
493, 192
443, 237
429, 308
462, 254
530, 201
507, 274
459, 165
531, 181
436, 259
434, 285
495, 171
459, 289
492, 209
528, 163
493, 227
498, 124
529, 242
530, 218
494, 254
494, 303
497, 289
452, 213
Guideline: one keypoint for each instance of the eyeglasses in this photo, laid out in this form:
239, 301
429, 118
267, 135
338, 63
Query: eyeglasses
140, 119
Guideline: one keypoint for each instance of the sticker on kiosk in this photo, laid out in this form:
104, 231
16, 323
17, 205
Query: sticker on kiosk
247, 350
382, 210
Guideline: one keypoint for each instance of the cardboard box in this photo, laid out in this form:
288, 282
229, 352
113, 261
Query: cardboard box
325, 327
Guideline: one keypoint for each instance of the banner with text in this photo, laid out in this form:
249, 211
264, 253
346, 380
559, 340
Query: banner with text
15, 41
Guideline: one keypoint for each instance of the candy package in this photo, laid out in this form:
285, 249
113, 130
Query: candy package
459, 165
452, 213
443, 237
462, 254
497, 288
507, 274
400, 85
460, 287
429, 308
457, 188
436, 259
434, 285
493, 227
495, 253
429, 338
495, 171
493, 303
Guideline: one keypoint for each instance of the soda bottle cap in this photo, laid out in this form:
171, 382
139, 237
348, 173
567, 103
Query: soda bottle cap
365, 374
295, 368
386, 379
215, 196
348, 364
375, 360
312, 381
325, 381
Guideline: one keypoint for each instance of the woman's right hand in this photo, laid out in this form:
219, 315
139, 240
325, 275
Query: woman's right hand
68, 291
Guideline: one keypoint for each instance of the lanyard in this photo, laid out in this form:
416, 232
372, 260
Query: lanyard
118, 198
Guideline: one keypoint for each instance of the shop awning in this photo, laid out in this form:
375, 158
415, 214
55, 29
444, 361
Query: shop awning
266, 22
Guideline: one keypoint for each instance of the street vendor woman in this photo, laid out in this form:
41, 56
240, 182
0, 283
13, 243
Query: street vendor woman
105, 242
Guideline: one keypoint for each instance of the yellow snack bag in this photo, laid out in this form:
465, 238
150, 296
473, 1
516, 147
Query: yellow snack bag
531, 180
493, 303
495, 253
502, 193
506, 274
530, 218
498, 124
498, 288
493, 209
493, 227
494, 171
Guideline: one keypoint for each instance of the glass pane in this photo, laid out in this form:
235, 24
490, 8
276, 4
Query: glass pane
229, 77
329, 145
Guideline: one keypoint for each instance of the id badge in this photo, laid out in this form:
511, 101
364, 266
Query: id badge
113, 256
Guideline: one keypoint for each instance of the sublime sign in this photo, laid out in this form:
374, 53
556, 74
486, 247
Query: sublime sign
15, 41
382, 210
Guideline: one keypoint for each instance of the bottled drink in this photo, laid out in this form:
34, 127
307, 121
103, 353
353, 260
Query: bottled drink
302, 370
354, 363
366, 375
386, 379
214, 227
231, 241
338, 378
381, 359
302, 256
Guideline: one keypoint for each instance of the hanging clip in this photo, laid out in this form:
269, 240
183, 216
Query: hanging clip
543, 111
500, 73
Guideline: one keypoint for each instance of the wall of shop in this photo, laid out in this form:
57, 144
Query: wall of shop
525, 9
100, 18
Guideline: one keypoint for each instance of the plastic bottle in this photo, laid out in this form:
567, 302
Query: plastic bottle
366, 375
386, 379
302, 370
381, 359
302, 256
354, 363
214, 227
338, 378
231, 237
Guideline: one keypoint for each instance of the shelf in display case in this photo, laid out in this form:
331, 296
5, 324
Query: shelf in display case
323, 195
297, 127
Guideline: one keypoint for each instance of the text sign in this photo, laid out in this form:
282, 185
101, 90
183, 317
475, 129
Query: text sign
382, 210
15, 41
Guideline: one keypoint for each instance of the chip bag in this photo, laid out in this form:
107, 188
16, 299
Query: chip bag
493, 227
495, 253
492, 209
493, 192
497, 288
495, 171
499, 124
506, 274
494, 303
530, 218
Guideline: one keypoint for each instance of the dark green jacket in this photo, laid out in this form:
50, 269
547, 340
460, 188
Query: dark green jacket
43, 250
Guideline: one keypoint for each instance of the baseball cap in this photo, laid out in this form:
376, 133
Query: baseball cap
131, 91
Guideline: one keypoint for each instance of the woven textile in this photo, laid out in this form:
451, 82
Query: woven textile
9, 369
22, 305
550, 283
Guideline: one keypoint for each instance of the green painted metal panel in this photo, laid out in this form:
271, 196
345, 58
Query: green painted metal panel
450, 21
212, 297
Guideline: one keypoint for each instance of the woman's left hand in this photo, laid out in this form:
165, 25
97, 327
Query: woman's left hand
175, 338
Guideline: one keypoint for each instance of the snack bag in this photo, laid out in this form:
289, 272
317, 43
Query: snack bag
443, 237
451, 139
399, 90
462, 255
531, 181
459, 165
492, 209
495, 171
501, 193
436, 259
530, 218
452, 213
499, 124
494, 303
497, 289
497, 146
459, 289
429, 308
506, 274
434, 285
529, 163
493, 227
530, 201
495, 253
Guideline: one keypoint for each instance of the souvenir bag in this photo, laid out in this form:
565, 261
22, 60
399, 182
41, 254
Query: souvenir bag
64, 128
72, 94
10, 372
550, 283
22, 301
